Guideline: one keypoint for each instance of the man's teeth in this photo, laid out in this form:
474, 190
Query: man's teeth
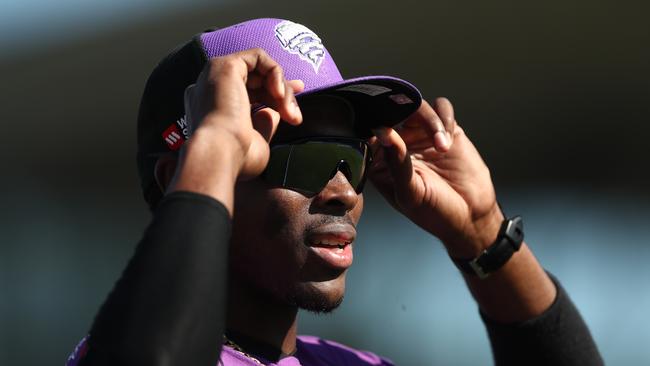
333, 243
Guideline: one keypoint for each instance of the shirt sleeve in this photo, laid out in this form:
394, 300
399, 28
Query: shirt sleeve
168, 307
558, 337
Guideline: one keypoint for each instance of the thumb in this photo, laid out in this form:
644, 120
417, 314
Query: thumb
257, 157
396, 156
265, 122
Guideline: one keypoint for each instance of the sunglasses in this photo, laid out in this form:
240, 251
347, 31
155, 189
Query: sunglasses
307, 165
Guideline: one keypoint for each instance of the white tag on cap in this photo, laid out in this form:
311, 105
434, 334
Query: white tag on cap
368, 89
400, 99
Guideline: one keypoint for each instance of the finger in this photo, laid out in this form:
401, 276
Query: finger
427, 118
287, 107
396, 155
290, 110
257, 60
416, 138
297, 85
265, 121
254, 81
375, 147
378, 156
280, 93
274, 82
445, 111
257, 157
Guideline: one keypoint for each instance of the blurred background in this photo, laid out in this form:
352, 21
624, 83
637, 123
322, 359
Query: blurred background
555, 94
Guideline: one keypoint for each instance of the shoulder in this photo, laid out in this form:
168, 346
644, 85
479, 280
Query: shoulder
317, 351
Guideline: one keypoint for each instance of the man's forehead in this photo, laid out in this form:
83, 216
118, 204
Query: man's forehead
323, 115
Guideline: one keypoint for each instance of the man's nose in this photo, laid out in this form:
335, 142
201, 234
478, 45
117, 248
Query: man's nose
337, 197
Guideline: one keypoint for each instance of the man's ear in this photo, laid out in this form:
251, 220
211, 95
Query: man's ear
164, 171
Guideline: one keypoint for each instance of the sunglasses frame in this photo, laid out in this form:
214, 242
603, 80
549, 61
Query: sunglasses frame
353, 142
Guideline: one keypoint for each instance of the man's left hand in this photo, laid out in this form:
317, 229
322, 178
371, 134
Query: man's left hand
429, 170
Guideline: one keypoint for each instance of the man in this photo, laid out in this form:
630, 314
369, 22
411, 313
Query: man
244, 234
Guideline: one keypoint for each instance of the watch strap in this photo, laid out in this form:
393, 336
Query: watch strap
509, 239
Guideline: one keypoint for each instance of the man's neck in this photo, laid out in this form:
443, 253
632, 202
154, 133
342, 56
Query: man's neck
256, 319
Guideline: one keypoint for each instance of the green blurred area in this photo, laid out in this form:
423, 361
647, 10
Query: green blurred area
555, 94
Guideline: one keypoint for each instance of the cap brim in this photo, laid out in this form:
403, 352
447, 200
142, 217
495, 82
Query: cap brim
376, 100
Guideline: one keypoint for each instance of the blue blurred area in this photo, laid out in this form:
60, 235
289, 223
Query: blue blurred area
27, 25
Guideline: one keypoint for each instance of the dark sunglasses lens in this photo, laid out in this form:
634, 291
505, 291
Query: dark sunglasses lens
311, 165
277, 166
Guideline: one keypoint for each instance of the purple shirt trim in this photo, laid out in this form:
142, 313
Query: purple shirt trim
311, 351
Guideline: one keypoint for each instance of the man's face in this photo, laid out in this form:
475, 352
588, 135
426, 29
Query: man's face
292, 247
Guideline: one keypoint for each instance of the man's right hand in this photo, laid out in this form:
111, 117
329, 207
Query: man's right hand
228, 144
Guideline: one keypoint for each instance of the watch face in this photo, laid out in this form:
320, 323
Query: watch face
515, 231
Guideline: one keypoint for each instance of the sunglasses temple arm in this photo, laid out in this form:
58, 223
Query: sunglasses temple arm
286, 168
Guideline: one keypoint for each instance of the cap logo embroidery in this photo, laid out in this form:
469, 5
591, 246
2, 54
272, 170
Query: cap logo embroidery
298, 39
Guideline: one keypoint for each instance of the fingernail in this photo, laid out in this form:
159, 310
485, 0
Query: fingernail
282, 88
382, 135
443, 138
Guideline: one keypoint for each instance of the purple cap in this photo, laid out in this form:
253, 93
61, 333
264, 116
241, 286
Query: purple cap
376, 100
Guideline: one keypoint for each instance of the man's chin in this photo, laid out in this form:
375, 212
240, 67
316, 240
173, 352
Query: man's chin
316, 300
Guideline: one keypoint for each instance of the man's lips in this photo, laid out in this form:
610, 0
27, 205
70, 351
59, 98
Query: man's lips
333, 244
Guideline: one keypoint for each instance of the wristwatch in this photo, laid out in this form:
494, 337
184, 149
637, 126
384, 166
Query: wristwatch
509, 239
